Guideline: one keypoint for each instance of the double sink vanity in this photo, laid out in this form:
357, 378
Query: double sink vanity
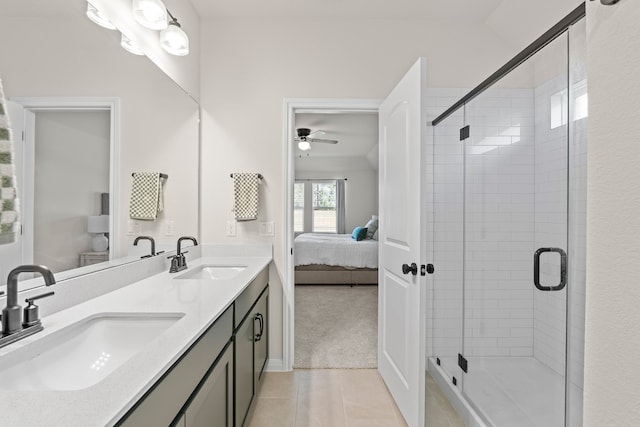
179, 349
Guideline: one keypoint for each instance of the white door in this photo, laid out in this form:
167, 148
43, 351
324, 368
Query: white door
401, 309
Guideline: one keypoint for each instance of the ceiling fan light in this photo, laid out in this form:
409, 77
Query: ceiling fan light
304, 145
174, 40
98, 17
151, 14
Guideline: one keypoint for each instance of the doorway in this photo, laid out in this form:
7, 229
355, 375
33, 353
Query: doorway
308, 114
68, 164
335, 275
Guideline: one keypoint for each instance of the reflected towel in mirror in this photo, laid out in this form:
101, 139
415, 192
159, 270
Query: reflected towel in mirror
9, 217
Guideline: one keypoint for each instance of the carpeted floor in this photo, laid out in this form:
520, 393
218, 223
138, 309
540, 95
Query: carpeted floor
336, 326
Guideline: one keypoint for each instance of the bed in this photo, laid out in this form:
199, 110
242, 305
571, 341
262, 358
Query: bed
335, 259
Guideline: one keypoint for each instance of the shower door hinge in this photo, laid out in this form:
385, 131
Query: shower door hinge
462, 363
465, 132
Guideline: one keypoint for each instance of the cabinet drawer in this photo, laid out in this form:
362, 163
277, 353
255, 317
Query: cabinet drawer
250, 295
166, 398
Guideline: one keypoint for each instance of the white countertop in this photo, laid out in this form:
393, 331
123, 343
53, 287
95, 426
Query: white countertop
201, 301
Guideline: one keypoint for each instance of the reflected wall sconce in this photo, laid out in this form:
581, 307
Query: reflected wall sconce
129, 46
98, 17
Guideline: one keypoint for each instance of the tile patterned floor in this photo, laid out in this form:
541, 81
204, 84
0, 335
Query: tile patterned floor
340, 398
325, 398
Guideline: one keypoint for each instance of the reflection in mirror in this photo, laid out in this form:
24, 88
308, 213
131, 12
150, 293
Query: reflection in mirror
92, 114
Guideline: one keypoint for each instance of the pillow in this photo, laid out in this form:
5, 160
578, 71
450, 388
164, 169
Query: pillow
372, 226
375, 235
359, 233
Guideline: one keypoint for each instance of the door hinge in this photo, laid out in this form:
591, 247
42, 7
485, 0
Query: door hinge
22, 136
465, 132
291, 251
462, 363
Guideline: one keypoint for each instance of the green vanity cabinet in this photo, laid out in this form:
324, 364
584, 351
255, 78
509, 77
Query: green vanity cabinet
212, 404
165, 401
214, 383
251, 351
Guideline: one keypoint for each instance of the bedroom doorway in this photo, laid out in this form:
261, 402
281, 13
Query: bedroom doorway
331, 297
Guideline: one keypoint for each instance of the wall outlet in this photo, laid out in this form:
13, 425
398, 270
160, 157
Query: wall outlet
169, 228
133, 227
231, 228
266, 228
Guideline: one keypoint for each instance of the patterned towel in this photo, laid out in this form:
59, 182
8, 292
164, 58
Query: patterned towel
9, 216
146, 196
246, 196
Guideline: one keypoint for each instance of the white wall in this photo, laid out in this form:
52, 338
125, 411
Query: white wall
248, 67
612, 375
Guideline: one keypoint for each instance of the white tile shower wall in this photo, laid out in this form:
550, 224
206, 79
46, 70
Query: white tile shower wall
499, 204
551, 226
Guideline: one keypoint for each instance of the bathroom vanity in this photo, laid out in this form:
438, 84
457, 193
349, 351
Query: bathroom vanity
180, 349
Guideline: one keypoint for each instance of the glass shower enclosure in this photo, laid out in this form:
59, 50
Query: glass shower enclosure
509, 209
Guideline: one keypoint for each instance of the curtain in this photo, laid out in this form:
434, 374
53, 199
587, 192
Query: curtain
340, 208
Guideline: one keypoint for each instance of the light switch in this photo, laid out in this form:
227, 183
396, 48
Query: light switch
266, 228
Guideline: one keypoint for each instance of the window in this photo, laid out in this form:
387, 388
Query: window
324, 207
559, 107
298, 207
318, 206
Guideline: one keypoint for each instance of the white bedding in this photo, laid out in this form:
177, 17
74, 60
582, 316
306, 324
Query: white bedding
335, 249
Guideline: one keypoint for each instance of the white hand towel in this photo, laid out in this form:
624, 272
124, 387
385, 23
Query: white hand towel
9, 215
146, 196
246, 201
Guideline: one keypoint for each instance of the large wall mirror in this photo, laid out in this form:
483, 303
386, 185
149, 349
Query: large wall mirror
93, 115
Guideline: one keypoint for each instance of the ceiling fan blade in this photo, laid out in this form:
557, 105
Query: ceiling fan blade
325, 141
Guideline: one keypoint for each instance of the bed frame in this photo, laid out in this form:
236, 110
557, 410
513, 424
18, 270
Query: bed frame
317, 274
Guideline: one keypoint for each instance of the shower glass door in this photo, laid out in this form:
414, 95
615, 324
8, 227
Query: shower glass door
515, 244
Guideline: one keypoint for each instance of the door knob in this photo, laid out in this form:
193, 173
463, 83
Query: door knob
413, 269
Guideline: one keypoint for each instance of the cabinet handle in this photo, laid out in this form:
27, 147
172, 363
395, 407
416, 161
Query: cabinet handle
260, 319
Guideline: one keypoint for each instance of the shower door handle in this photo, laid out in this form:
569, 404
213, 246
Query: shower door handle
563, 269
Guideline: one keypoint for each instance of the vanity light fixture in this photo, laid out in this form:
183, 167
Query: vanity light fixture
151, 14
173, 39
304, 145
98, 17
129, 46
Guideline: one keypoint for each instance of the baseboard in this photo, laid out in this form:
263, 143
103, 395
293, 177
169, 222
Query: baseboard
275, 365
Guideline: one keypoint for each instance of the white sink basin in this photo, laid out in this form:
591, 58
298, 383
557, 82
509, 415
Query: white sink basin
213, 272
83, 353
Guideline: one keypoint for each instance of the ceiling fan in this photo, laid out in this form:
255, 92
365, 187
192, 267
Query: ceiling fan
305, 137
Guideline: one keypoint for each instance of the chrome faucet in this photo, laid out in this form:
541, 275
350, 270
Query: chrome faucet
178, 261
13, 329
150, 239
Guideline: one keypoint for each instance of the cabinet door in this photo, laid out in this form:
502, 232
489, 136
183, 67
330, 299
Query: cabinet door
212, 405
244, 367
261, 341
